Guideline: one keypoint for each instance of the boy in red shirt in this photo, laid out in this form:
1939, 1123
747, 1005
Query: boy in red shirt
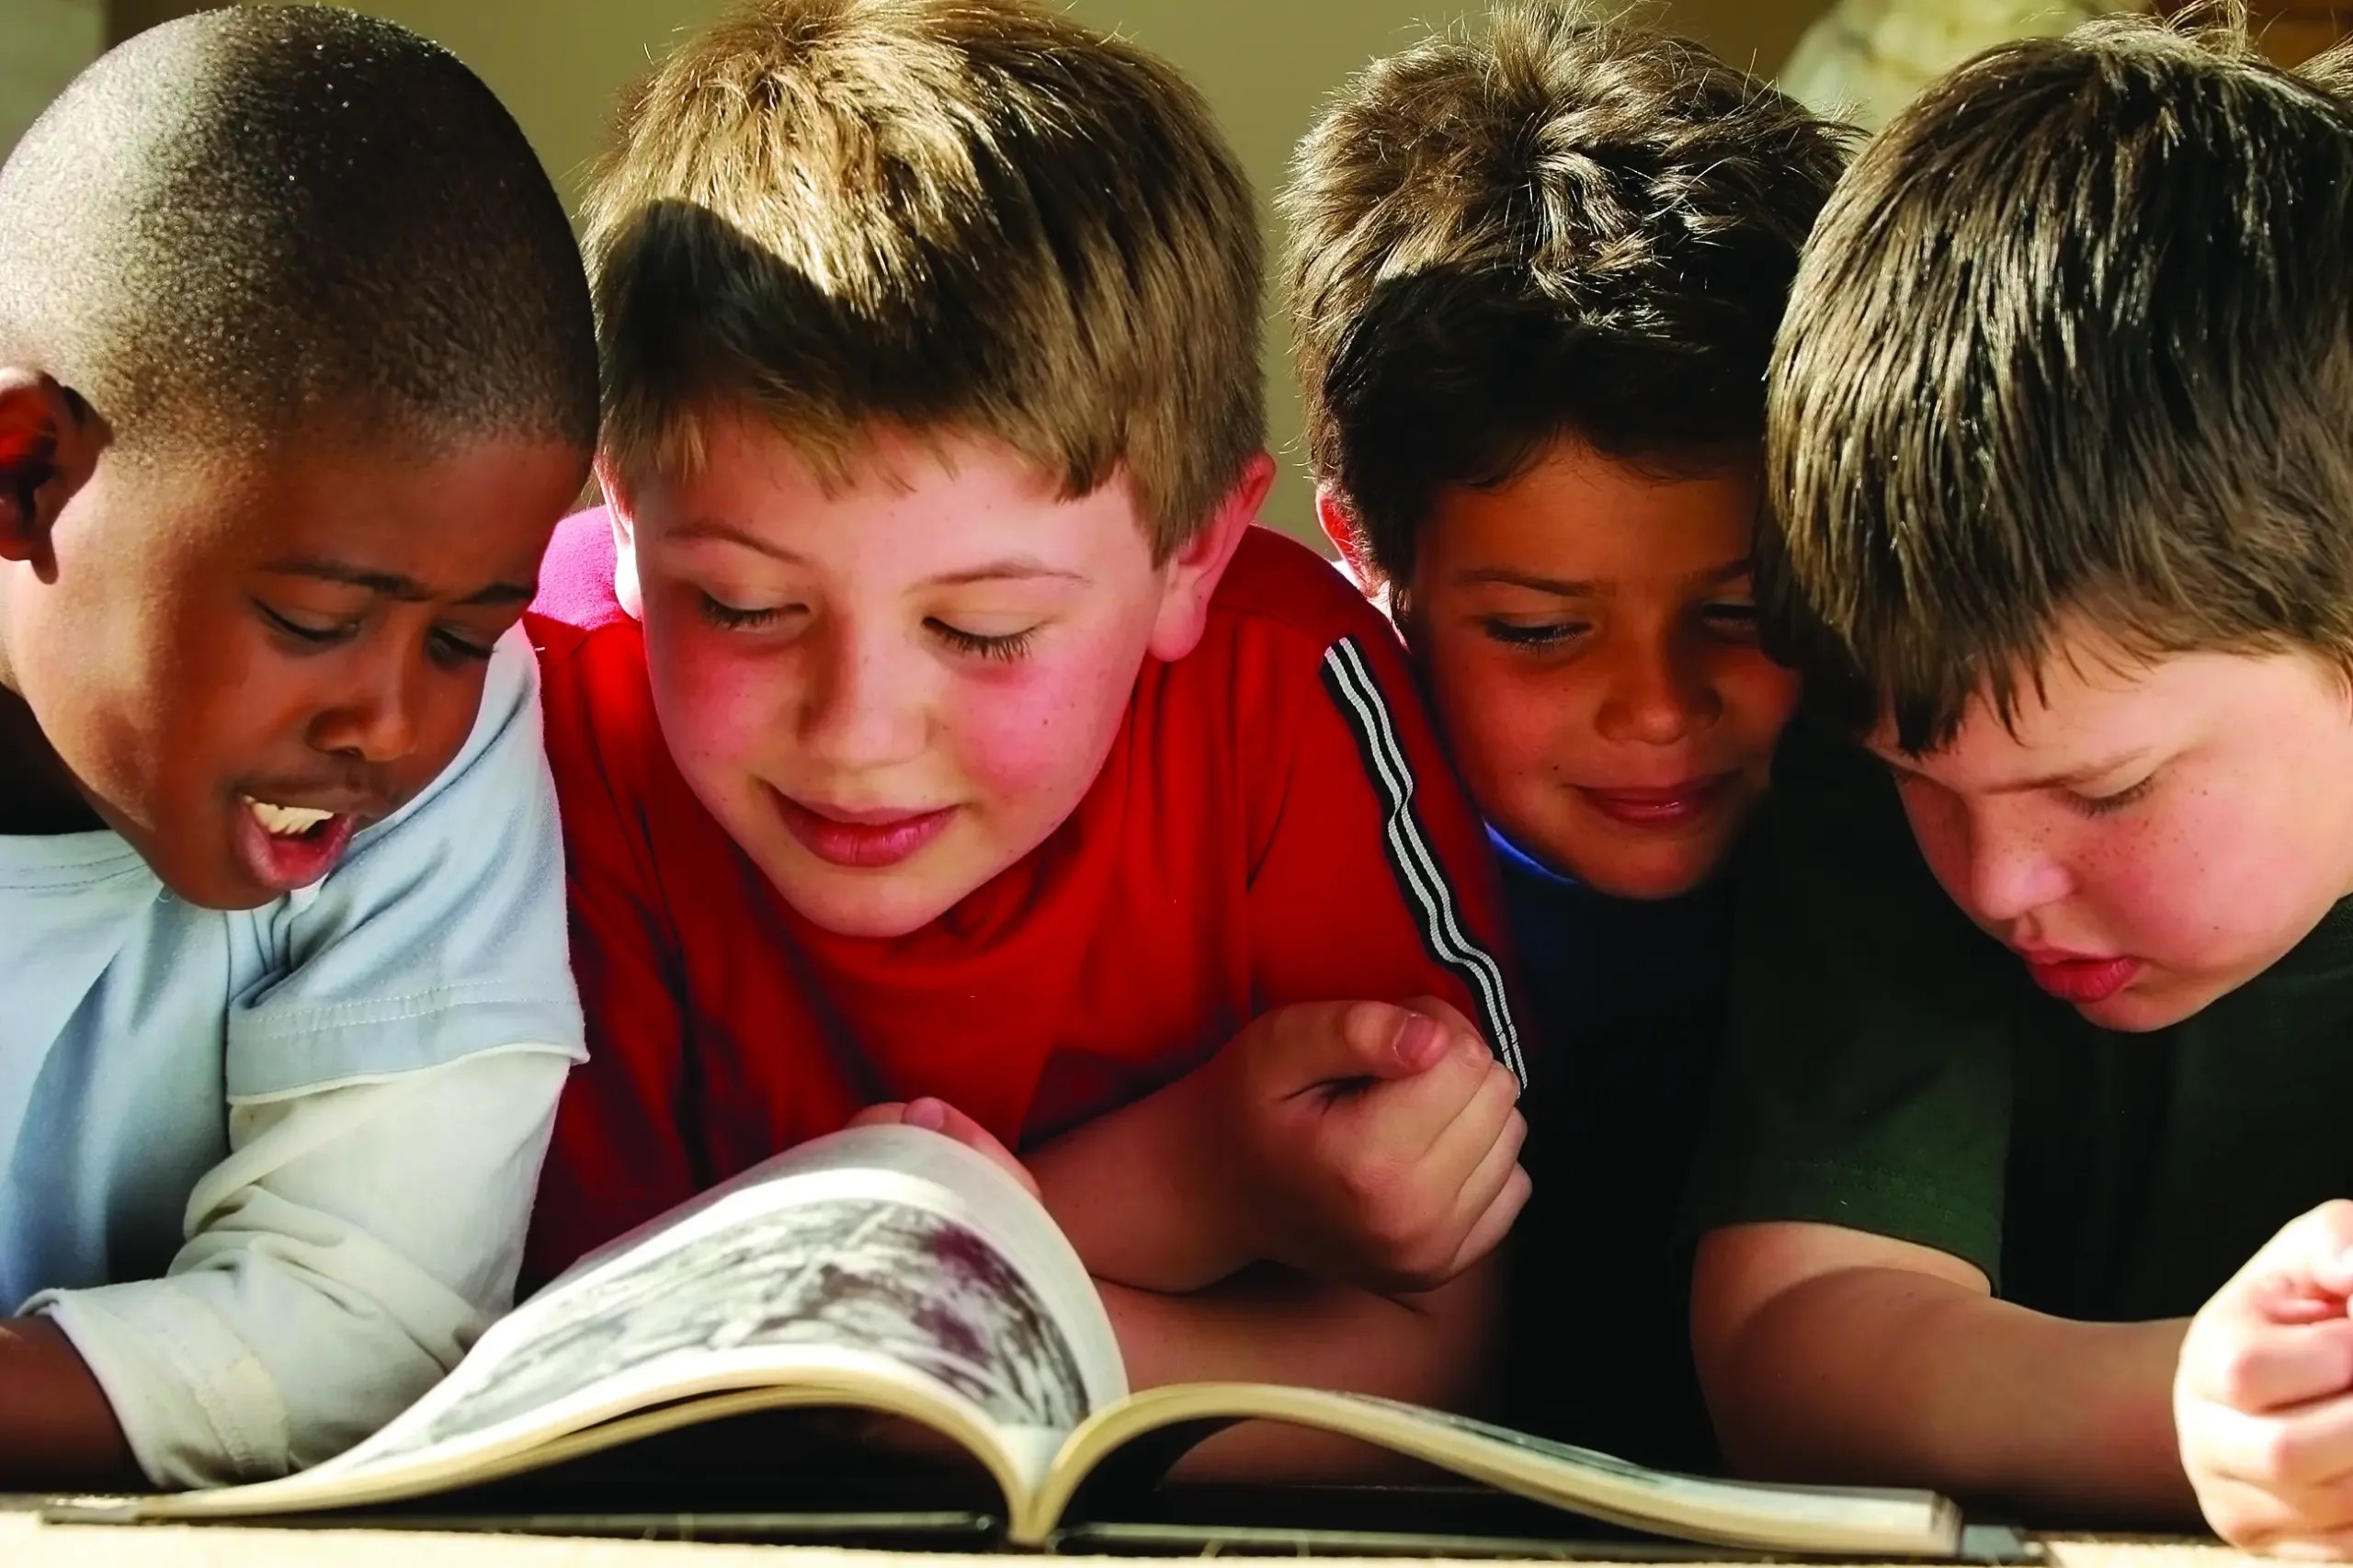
933, 727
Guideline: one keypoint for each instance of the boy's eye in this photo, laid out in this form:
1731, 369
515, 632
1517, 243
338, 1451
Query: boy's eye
1540, 634
729, 617
1007, 645
1730, 617
450, 648
321, 633
2116, 800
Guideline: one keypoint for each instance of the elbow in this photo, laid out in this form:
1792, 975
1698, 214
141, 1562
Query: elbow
1749, 1406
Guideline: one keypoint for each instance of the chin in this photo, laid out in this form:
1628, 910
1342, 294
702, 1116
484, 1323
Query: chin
2135, 1011
215, 883
1619, 875
869, 905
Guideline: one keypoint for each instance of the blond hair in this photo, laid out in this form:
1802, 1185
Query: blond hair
936, 215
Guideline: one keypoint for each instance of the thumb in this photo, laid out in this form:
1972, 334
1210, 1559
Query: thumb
2311, 1258
1384, 1040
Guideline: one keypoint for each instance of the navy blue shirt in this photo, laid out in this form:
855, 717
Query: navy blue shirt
1625, 1000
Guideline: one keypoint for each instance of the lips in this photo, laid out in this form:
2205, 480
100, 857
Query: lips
863, 837
2079, 978
288, 846
1662, 809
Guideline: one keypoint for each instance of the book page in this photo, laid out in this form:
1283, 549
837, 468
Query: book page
1853, 1519
884, 1258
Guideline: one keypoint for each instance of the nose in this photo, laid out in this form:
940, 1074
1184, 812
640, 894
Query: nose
865, 702
2010, 869
377, 715
1658, 693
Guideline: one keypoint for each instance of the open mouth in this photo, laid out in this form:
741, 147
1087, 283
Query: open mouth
286, 848
289, 822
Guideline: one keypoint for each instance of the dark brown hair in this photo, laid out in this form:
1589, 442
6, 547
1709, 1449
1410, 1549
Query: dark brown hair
1554, 227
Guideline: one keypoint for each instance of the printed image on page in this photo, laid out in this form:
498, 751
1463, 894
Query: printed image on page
848, 1275
886, 1248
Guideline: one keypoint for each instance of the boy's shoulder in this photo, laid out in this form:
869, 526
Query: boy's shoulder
598, 708
577, 597
1282, 597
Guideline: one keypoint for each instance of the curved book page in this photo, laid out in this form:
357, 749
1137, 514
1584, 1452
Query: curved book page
883, 1266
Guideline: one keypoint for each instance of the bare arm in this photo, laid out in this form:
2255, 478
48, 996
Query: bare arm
1134, 1195
56, 1427
1372, 1142
1272, 1325
1837, 1355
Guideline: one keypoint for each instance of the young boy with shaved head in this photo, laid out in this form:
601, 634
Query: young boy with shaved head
296, 375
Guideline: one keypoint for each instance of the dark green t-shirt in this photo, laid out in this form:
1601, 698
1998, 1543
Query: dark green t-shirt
1892, 1069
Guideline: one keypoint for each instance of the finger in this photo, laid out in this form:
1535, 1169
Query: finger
1401, 1121
1442, 1011
1486, 1180
1496, 1223
2311, 1256
1316, 1044
2255, 1520
1448, 1014
938, 1115
2308, 1449
889, 1114
1463, 1143
2245, 1362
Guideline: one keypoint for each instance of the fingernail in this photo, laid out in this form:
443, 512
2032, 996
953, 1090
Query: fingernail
1420, 1042
929, 1113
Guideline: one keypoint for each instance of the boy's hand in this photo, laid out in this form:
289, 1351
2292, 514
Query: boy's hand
2263, 1401
938, 1115
1366, 1142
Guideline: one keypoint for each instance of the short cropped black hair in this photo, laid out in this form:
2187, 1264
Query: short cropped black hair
1561, 227
263, 219
2071, 347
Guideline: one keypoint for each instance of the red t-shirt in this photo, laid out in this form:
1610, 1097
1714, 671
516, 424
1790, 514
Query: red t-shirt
1274, 823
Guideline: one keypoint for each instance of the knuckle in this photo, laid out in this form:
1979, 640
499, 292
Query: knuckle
2335, 1218
2235, 1372
1371, 1181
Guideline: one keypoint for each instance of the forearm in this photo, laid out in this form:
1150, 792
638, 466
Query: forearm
1912, 1381
1274, 1326
1135, 1194
57, 1428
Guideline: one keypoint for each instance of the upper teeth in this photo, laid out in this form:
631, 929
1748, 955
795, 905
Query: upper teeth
286, 819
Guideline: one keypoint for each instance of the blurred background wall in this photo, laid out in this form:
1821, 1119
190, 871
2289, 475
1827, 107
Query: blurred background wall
1266, 65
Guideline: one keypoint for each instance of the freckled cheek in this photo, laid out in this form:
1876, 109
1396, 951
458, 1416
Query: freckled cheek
1035, 731
2195, 888
720, 707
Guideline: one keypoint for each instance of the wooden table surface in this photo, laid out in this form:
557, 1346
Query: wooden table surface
26, 1542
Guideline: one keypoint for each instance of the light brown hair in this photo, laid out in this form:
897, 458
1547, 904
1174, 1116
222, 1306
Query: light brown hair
2073, 345
1554, 227
969, 215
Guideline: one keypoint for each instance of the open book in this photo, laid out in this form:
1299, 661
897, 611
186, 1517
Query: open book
890, 1270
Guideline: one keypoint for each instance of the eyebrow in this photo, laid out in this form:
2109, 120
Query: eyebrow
392, 584
2073, 777
1572, 589
1011, 568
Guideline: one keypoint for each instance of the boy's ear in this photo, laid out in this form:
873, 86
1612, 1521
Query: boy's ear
1340, 526
617, 508
48, 447
1195, 570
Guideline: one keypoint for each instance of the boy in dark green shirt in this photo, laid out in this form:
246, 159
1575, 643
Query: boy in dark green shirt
2062, 460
